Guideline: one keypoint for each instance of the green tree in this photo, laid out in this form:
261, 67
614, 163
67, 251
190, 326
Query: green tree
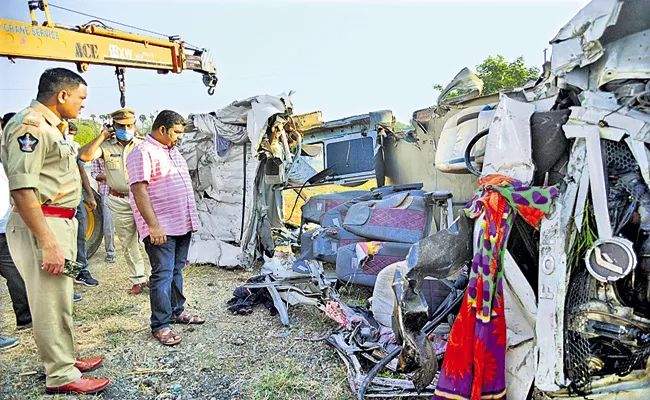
85, 134
498, 74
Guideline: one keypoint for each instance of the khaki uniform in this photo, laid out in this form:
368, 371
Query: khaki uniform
36, 155
117, 178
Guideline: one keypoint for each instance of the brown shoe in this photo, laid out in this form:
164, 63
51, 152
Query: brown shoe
167, 337
187, 319
88, 364
82, 385
137, 288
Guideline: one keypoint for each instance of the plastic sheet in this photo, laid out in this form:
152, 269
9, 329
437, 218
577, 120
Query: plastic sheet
508, 150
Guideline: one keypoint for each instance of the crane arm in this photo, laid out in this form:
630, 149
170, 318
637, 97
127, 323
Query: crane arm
93, 43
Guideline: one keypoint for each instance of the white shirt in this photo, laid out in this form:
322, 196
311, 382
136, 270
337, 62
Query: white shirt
5, 206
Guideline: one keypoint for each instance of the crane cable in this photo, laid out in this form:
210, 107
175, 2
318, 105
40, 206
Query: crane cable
188, 45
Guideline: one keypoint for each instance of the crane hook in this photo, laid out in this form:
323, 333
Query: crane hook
119, 72
210, 80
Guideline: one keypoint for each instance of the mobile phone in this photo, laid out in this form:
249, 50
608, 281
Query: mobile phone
71, 268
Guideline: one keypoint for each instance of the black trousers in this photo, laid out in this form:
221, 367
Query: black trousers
15, 284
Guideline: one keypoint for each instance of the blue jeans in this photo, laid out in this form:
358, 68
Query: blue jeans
81, 236
166, 281
15, 284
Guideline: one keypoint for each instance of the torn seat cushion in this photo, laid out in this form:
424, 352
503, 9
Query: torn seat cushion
336, 215
327, 242
314, 209
351, 269
399, 218
331, 209
323, 243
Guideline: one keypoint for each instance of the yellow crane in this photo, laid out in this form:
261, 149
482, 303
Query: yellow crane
97, 43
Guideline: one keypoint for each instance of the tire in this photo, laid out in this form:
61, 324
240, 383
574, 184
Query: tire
94, 226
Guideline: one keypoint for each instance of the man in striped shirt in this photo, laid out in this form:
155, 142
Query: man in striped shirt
98, 172
163, 205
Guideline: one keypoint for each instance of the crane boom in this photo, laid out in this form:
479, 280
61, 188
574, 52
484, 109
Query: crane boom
93, 43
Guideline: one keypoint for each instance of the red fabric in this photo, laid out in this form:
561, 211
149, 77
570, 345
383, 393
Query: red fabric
115, 193
56, 212
474, 364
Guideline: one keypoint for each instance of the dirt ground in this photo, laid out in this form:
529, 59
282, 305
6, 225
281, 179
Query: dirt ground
229, 357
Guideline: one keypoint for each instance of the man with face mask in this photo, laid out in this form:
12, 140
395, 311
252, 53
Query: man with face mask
41, 233
113, 145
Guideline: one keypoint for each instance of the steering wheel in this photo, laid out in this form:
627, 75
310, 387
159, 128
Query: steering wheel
468, 150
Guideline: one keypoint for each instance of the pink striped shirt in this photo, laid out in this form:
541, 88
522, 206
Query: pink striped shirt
97, 168
170, 187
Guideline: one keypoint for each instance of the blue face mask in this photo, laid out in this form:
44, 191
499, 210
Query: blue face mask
124, 135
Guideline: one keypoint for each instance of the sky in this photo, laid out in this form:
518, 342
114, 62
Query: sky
340, 57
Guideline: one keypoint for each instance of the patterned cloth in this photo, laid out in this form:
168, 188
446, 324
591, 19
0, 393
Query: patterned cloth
474, 365
97, 168
169, 187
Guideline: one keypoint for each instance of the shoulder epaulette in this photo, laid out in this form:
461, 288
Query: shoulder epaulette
34, 118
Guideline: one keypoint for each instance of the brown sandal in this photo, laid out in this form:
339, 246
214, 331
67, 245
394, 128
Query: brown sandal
167, 337
187, 319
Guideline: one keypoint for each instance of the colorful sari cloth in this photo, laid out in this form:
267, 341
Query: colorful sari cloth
474, 365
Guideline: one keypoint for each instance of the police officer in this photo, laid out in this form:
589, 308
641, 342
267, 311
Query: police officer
113, 145
41, 233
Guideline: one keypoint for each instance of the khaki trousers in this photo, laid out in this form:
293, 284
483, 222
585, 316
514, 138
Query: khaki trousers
127, 231
50, 296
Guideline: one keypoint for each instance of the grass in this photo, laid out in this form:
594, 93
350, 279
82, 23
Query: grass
284, 382
355, 295
289, 380
584, 239
111, 323
386, 373
103, 310
114, 341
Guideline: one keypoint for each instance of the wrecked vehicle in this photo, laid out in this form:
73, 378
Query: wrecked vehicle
576, 290
562, 168
237, 156
582, 327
